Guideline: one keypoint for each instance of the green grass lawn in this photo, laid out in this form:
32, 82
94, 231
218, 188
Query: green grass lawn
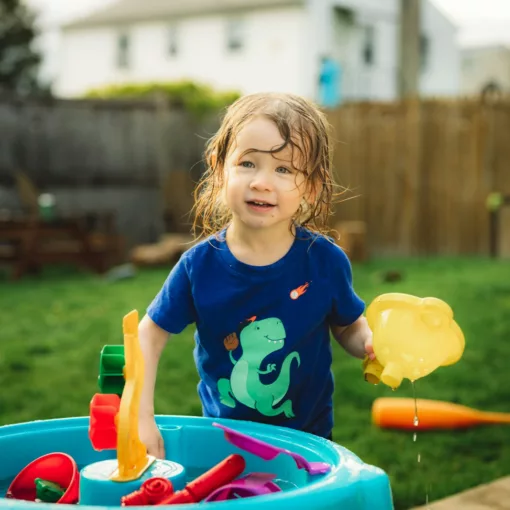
52, 330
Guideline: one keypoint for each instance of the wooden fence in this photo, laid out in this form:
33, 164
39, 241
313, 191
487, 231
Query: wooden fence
138, 158
418, 174
96, 142
421, 173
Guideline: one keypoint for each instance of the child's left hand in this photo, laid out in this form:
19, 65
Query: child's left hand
356, 339
369, 348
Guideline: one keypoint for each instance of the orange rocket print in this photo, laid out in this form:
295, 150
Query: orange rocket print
297, 293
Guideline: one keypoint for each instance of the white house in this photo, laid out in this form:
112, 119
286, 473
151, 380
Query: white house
254, 45
486, 68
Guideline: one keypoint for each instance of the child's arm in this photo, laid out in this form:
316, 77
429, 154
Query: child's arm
356, 339
152, 342
348, 325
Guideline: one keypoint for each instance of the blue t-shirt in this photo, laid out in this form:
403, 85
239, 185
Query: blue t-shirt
262, 337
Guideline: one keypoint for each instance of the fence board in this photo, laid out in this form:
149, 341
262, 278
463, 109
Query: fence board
105, 155
423, 172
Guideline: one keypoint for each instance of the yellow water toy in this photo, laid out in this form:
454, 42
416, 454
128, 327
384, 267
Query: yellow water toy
412, 337
114, 420
131, 452
114, 426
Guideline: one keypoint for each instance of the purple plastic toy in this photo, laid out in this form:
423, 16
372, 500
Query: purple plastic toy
254, 484
267, 451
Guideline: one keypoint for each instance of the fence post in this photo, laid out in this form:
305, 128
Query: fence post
411, 220
162, 110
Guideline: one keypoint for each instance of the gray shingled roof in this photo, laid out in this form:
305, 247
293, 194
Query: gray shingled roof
126, 11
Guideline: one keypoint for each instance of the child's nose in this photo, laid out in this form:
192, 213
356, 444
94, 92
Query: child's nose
262, 181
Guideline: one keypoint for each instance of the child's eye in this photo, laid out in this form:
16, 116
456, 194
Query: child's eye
283, 170
246, 164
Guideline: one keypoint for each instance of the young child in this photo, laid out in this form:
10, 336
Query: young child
266, 287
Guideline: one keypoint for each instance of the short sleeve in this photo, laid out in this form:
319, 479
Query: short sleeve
347, 307
173, 309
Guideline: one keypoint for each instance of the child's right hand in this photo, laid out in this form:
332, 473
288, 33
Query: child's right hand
151, 437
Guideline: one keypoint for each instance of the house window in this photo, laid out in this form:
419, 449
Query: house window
173, 41
123, 50
424, 52
368, 45
235, 31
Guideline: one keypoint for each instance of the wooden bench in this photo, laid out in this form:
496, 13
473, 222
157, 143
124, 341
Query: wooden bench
27, 243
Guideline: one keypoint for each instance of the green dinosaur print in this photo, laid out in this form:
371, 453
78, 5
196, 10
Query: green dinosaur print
258, 340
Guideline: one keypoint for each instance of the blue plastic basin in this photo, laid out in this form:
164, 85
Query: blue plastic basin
197, 445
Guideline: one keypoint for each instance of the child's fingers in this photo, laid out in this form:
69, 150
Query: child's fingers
157, 449
369, 349
161, 450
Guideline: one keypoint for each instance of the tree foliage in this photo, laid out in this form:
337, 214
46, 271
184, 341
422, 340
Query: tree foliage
194, 97
19, 61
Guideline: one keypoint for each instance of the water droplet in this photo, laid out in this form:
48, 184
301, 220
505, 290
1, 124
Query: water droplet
414, 437
416, 422
419, 457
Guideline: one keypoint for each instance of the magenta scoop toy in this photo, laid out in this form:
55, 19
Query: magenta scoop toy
254, 484
267, 451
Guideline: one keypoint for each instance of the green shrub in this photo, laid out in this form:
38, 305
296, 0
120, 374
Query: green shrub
195, 97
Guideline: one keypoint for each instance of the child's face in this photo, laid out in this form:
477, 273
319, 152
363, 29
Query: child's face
262, 190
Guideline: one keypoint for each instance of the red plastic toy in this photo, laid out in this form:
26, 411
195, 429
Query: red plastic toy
152, 492
58, 468
197, 490
103, 427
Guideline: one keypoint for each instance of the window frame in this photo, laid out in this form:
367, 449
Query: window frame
235, 34
173, 40
123, 49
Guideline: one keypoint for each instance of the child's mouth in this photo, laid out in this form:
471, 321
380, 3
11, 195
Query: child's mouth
254, 204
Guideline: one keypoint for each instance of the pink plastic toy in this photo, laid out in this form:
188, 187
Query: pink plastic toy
254, 484
267, 451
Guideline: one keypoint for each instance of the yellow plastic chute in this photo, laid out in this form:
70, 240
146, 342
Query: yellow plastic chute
132, 456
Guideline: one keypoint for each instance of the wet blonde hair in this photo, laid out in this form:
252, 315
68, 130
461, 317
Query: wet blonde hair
302, 126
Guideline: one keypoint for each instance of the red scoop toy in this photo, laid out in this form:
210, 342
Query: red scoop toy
58, 468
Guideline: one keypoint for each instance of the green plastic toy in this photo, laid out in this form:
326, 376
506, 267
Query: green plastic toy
111, 370
48, 492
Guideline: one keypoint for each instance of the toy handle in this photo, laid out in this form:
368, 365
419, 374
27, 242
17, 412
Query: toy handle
219, 475
400, 413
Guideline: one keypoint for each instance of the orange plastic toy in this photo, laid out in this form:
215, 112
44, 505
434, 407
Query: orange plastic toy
116, 426
197, 490
412, 338
399, 413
